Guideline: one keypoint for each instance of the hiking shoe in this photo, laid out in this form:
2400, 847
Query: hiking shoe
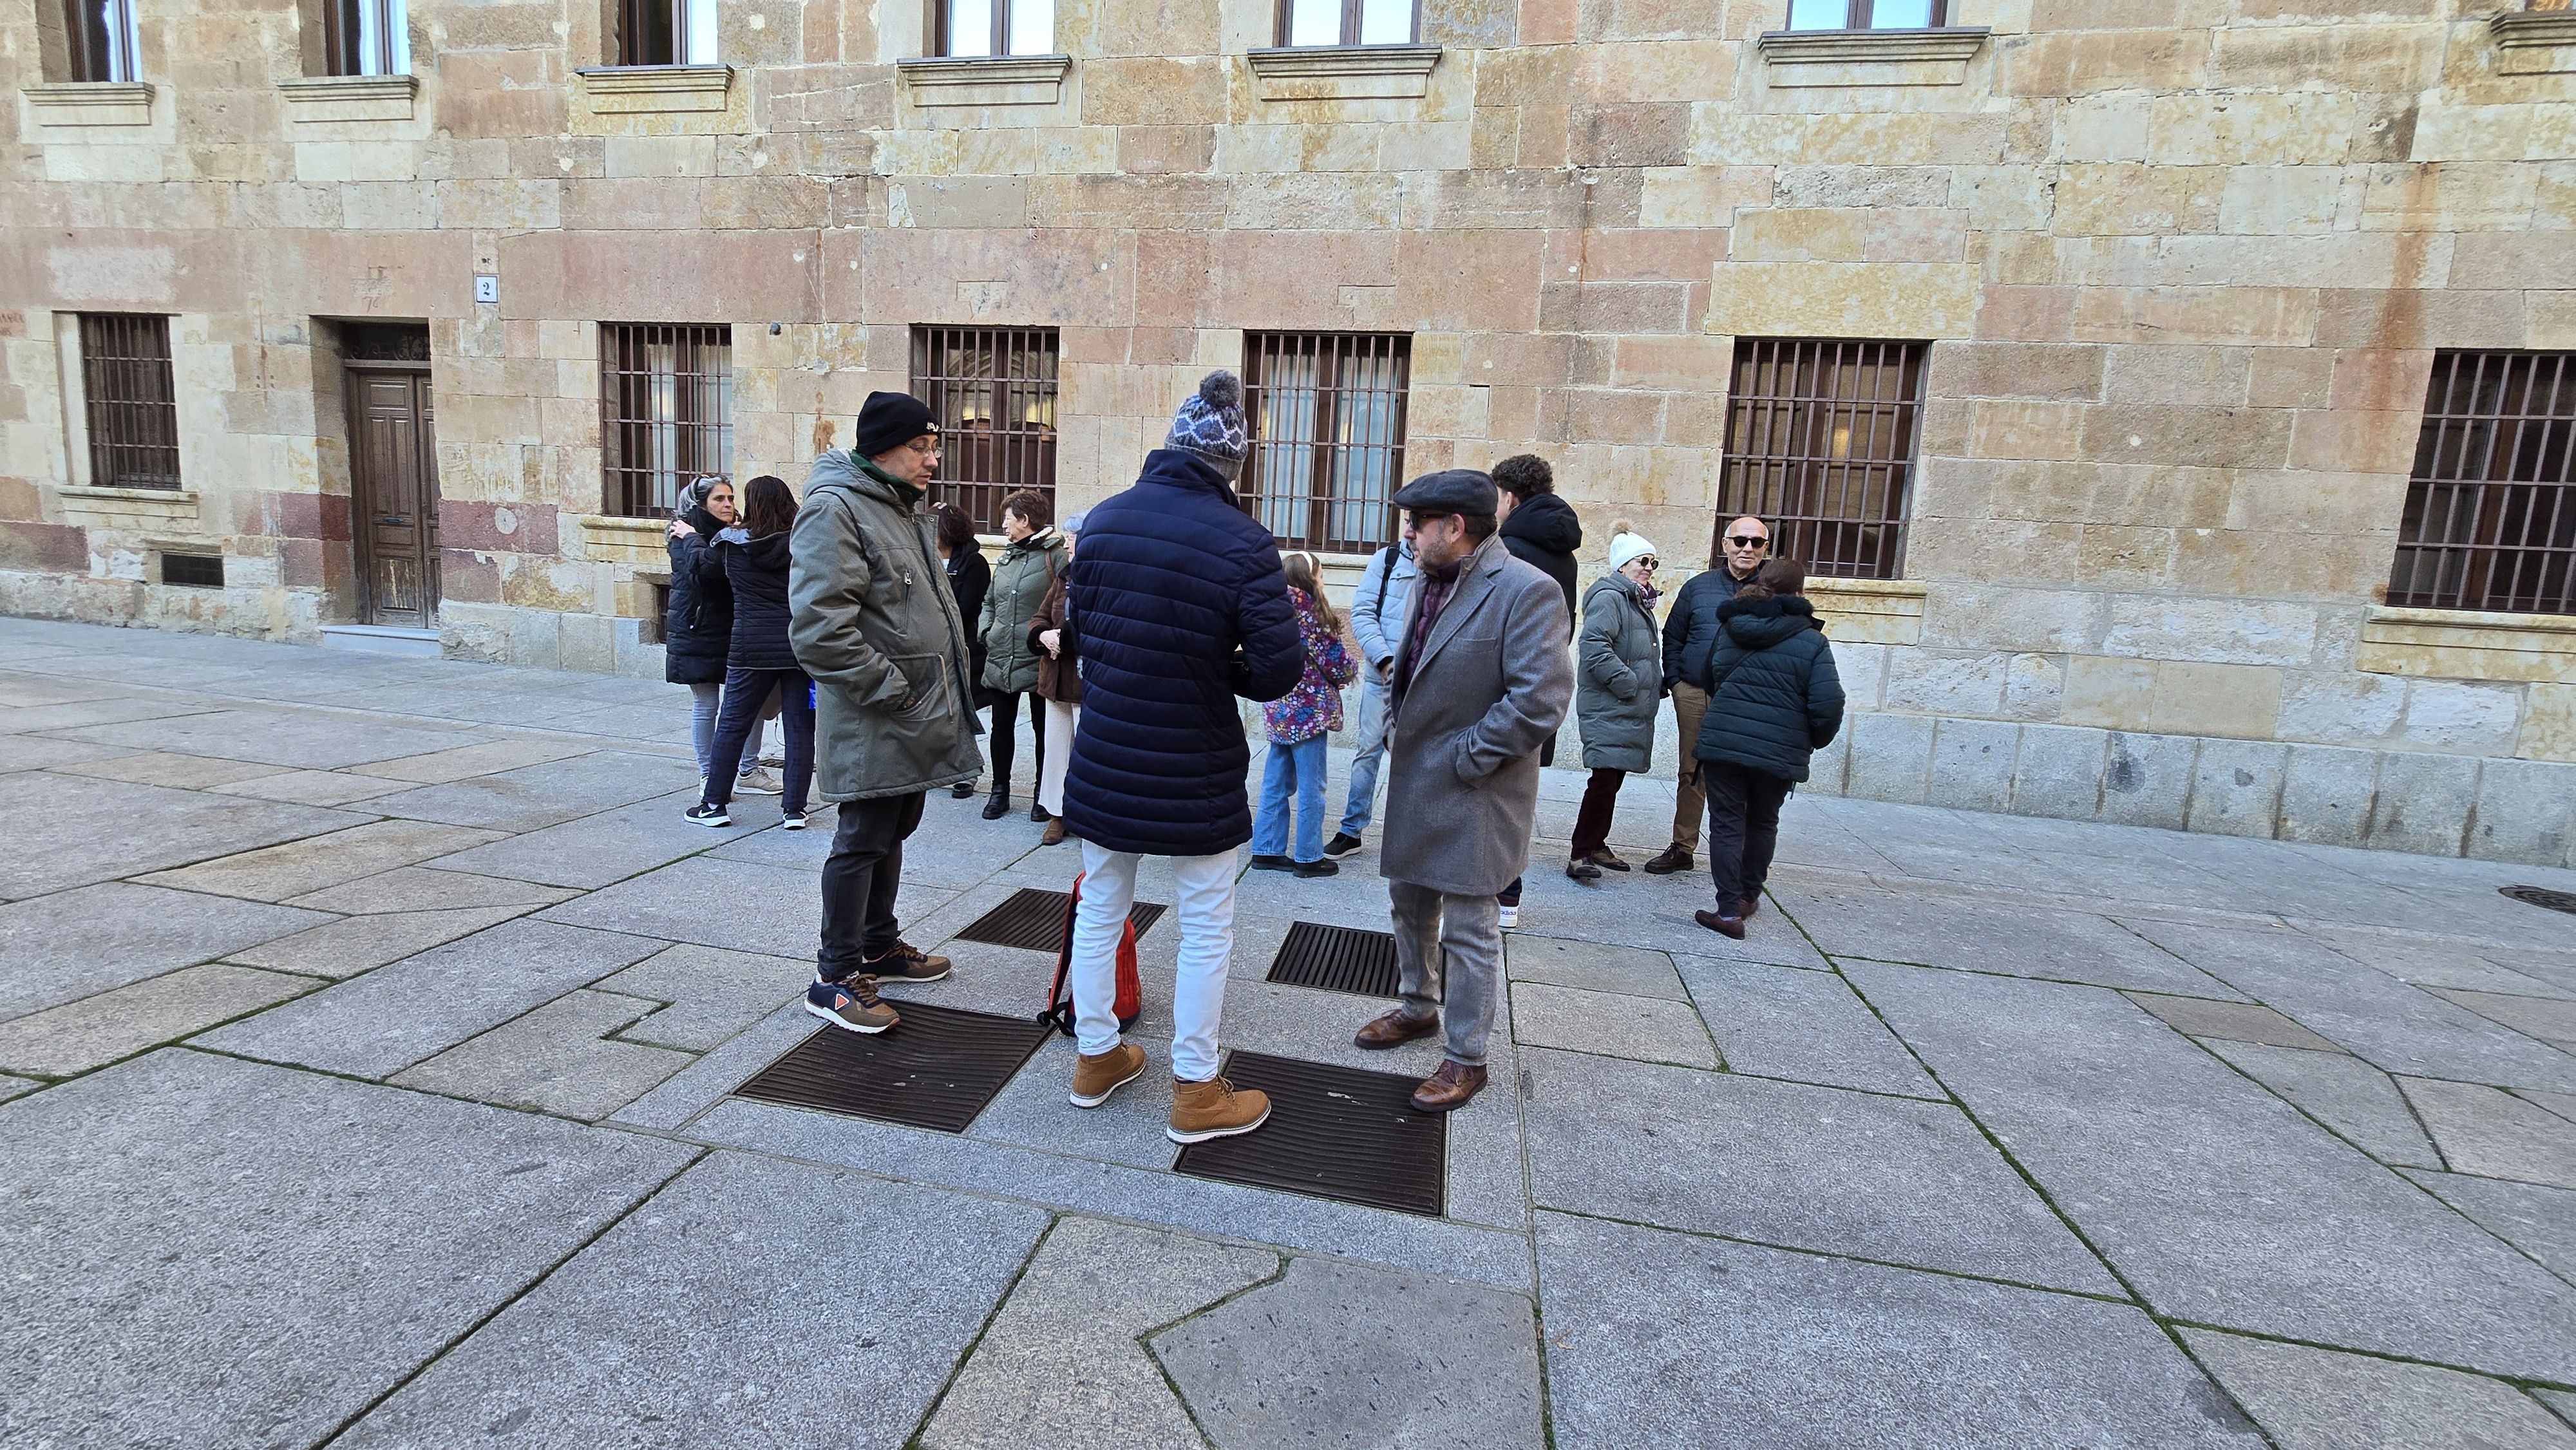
1723, 925
999, 806
850, 1005
791, 820
1608, 860
1039, 813
707, 815
1582, 869
756, 782
1448, 1090
1342, 844
1096, 1077
1511, 917
1213, 1109
963, 790
906, 963
1669, 860
1273, 863
1316, 868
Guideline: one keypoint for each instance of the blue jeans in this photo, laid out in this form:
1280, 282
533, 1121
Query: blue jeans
1298, 767
1362, 802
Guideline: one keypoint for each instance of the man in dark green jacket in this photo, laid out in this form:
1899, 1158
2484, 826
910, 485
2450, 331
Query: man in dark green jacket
875, 623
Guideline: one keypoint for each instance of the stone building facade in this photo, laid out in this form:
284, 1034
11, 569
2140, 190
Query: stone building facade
2161, 289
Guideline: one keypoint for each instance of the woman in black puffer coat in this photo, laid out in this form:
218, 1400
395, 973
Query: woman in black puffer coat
754, 556
697, 630
1773, 700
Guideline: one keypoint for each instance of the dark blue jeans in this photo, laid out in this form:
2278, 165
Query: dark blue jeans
745, 692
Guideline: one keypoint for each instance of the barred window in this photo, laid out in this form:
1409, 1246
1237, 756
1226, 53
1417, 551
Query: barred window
1327, 418
1820, 444
992, 27
132, 407
1868, 14
1347, 22
366, 38
665, 32
666, 397
2490, 518
101, 38
992, 391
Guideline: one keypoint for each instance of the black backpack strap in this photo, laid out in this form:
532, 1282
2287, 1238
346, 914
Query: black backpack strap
1386, 557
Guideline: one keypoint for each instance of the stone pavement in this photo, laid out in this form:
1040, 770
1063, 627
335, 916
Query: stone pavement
369, 1029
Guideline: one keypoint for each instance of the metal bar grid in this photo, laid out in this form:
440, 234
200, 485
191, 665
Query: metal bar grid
1327, 417
2490, 520
132, 406
1820, 439
993, 391
666, 401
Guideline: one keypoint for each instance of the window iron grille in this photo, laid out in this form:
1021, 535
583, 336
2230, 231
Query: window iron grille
132, 408
992, 391
366, 37
197, 571
666, 396
1348, 22
666, 32
2490, 521
1327, 413
1820, 439
992, 27
384, 342
1868, 14
101, 38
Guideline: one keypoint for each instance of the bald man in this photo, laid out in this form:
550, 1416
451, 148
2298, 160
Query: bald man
1690, 632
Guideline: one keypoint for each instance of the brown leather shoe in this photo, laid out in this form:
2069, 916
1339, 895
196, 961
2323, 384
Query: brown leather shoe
1214, 1109
1054, 833
1448, 1089
1395, 1029
1748, 906
1723, 925
1608, 860
1668, 860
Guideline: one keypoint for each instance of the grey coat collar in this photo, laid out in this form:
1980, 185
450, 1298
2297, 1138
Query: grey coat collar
1475, 585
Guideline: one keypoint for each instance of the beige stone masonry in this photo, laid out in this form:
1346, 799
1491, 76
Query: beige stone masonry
128, 508
633, 89
1793, 58
349, 98
89, 103
1342, 72
2460, 644
611, 539
985, 80
1869, 611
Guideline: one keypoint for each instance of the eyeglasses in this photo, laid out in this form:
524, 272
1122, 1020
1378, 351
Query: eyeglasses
926, 450
1748, 541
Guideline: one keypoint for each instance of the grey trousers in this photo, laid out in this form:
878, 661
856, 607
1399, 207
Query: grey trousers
1449, 949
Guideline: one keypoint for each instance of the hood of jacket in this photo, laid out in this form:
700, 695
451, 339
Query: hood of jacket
1180, 468
1756, 624
769, 551
1547, 522
707, 524
858, 475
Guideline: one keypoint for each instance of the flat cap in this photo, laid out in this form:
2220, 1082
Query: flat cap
1450, 491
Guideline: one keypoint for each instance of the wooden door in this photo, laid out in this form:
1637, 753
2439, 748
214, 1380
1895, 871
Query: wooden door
393, 471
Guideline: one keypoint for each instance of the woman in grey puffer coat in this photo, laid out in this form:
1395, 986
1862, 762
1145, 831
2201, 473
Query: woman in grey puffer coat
1618, 684
1029, 566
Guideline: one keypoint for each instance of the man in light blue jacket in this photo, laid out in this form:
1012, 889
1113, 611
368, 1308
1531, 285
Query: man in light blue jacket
1377, 623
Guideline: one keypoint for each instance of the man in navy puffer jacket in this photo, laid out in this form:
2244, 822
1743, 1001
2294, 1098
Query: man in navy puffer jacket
1183, 609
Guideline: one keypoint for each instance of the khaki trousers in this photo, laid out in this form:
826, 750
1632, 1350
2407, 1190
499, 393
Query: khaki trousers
1690, 800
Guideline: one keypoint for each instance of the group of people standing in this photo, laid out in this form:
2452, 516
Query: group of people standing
1178, 605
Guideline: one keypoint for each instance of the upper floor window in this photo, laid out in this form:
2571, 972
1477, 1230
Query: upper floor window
366, 38
965, 28
666, 32
1346, 22
1868, 15
993, 392
1326, 411
130, 405
2490, 518
101, 39
1820, 443
666, 400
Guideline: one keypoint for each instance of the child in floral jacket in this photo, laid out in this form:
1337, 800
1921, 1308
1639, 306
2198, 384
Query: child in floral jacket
1297, 724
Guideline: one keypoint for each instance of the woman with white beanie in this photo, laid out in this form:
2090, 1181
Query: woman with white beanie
1618, 685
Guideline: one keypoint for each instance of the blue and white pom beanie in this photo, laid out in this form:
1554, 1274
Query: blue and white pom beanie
1210, 423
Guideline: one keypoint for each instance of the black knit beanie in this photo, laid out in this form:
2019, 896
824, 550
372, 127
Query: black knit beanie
888, 421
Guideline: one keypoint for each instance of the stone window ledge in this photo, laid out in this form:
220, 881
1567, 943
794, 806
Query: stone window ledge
985, 80
185, 498
639, 89
2463, 644
350, 98
617, 539
1871, 57
1342, 72
1869, 611
2531, 43
90, 103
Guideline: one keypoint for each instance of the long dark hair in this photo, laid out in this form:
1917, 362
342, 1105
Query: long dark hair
768, 506
1774, 578
956, 531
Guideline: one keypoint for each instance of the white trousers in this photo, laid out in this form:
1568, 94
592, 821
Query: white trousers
1205, 886
1058, 748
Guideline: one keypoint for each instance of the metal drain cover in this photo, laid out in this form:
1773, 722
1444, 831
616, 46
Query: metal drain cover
937, 1070
1334, 1132
1337, 959
1034, 920
2542, 896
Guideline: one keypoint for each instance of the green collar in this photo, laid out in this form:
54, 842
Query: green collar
908, 493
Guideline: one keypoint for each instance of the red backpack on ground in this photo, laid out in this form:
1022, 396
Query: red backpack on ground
1129, 1001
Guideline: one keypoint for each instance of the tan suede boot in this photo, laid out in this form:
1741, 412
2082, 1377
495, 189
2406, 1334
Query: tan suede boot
1096, 1076
1213, 1109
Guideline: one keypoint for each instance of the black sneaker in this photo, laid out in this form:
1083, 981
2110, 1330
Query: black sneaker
707, 815
791, 821
906, 963
1273, 863
1316, 868
963, 790
1342, 844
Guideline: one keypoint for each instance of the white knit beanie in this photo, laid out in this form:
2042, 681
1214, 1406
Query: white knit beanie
1626, 545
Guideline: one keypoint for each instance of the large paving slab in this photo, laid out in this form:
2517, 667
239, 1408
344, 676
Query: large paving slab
316, 863
60, 948
2492, 1133
1667, 1341
2317, 1399
355, 944
1803, 1025
294, 739
595, 850
416, 888
708, 995
751, 1302
98, 830
378, 1024
180, 772
1350, 1357
211, 1252
775, 910
560, 1058
2217, 1200
2551, 1019
1863, 1174
1954, 931
438, 767
97, 1030
1613, 1024
2539, 1220
2353, 1099
1592, 966
542, 795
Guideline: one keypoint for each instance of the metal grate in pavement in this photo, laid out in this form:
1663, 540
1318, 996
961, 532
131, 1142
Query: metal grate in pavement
2542, 896
1034, 920
936, 1070
1334, 1132
1337, 959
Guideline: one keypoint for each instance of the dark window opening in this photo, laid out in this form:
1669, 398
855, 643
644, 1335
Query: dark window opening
365, 38
992, 391
197, 571
100, 37
1327, 419
654, 623
132, 409
1820, 444
666, 398
384, 342
2490, 518
666, 32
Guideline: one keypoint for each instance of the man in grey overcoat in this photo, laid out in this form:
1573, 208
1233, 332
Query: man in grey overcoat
1481, 679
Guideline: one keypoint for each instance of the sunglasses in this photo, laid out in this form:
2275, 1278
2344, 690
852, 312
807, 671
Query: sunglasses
1649, 560
1748, 541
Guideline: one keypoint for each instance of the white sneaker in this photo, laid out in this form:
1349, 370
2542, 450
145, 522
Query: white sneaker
757, 782
1511, 917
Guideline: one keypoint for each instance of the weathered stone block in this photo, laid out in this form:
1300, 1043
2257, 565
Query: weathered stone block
2146, 779
2526, 811
2059, 772
2055, 372
1891, 756
2457, 716
2326, 794
1972, 764
2236, 787
2340, 709
2423, 803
